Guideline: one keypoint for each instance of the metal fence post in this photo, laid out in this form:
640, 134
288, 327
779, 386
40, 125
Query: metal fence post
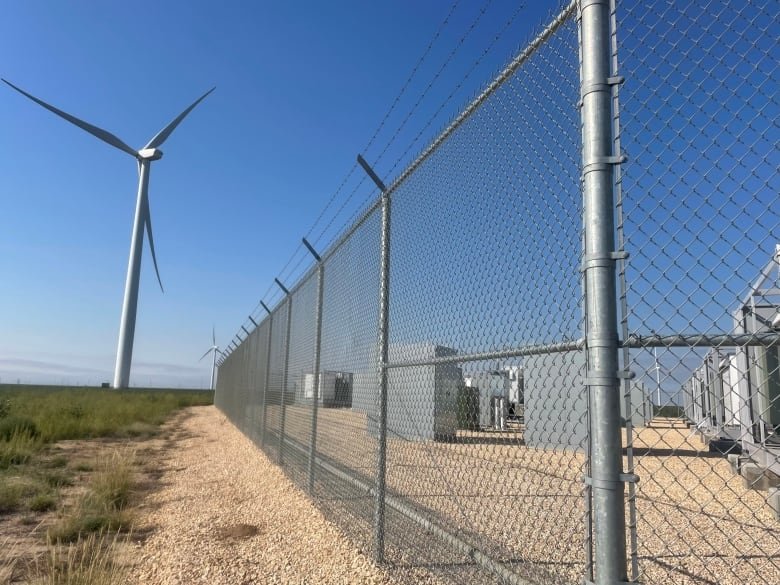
280, 456
384, 305
599, 256
267, 374
317, 356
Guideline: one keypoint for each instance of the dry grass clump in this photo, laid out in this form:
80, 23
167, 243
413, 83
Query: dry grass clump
24, 492
9, 561
89, 561
103, 506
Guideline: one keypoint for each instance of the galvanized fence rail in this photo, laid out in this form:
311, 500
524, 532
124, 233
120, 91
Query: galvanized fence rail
559, 362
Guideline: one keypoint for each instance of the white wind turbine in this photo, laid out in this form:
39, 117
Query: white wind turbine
143, 219
214, 348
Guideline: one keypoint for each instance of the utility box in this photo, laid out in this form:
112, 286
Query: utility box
335, 389
493, 389
500, 395
468, 408
421, 400
556, 401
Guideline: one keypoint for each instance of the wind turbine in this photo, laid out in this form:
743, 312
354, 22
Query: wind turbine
214, 348
143, 219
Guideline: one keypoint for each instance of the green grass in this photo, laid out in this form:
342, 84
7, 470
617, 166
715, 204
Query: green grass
31, 417
23, 491
103, 507
83, 540
18, 449
42, 502
83, 413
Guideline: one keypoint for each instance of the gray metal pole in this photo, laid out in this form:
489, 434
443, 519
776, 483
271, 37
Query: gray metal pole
381, 462
384, 306
315, 394
280, 457
124, 354
213, 368
267, 377
602, 376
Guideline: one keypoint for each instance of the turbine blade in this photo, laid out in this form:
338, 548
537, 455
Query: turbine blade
103, 135
205, 354
213, 336
163, 134
148, 222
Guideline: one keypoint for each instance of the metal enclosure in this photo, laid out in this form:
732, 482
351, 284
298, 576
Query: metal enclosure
759, 388
335, 389
421, 400
556, 405
499, 396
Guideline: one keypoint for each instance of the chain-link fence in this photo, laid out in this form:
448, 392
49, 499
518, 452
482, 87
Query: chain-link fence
476, 382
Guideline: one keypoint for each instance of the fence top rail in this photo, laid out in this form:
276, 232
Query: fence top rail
636, 341
525, 350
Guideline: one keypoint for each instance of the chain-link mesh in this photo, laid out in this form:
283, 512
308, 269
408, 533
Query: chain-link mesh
346, 425
272, 403
484, 258
701, 217
489, 463
294, 442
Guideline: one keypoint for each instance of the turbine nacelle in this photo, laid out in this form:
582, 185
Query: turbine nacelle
150, 154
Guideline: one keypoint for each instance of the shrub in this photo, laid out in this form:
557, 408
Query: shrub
42, 502
5, 407
17, 425
18, 448
18, 491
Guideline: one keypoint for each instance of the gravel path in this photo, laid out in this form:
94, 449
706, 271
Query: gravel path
226, 514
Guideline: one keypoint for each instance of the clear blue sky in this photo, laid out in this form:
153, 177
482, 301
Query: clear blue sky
301, 89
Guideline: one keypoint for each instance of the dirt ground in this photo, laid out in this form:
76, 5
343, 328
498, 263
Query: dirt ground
208, 507
23, 533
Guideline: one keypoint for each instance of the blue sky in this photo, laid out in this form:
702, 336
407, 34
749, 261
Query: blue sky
301, 89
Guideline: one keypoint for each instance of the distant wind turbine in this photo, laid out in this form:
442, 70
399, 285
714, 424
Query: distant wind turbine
143, 219
214, 348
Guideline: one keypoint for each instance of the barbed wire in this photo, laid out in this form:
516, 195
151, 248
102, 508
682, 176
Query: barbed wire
435, 78
396, 133
351, 172
458, 86
415, 69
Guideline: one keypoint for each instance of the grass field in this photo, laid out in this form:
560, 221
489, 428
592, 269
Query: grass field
69, 471
81, 413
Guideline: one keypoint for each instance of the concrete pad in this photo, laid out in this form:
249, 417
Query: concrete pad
758, 478
774, 501
734, 461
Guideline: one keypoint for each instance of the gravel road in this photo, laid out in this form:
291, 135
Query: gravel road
226, 514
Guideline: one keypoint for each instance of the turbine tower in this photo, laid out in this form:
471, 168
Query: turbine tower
214, 348
143, 220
